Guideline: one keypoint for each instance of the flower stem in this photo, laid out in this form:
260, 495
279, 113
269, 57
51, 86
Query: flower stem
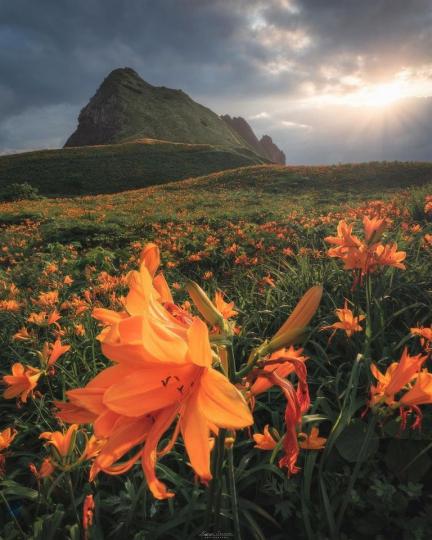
72, 496
234, 498
220, 444
368, 331
213, 500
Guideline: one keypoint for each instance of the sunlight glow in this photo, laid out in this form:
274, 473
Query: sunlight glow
381, 95
358, 93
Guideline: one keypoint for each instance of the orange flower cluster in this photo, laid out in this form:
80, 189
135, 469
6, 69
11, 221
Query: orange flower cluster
165, 374
404, 385
368, 255
65, 453
268, 440
278, 365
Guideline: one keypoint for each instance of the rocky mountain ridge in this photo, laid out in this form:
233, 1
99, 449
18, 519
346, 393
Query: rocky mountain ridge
264, 146
126, 108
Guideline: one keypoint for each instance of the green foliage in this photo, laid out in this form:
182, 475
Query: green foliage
86, 233
18, 192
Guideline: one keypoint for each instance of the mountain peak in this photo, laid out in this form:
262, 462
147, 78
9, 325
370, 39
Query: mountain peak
125, 71
124, 76
126, 108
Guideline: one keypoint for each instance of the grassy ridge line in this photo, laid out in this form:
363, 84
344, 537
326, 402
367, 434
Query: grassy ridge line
350, 177
113, 168
253, 194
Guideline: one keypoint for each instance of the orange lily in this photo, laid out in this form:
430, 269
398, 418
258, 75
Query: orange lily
344, 239
6, 438
48, 299
44, 319
347, 322
389, 256
312, 441
51, 354
225, 308
10, 305
265, 440
62, 442
22, 382
282, 360
420, 393
297, 404
396, 377
280, 363
22, 335
136, 404
150, 256
373, 229
425, 335
93, 448
163, 371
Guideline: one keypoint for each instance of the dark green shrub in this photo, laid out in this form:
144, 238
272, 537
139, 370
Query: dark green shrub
19, 192
86, 233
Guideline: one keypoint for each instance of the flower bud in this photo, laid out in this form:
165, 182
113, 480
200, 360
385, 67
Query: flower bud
295, 326
204, 305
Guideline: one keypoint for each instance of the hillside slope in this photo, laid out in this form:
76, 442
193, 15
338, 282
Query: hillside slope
118, 167
255, 194
366, 178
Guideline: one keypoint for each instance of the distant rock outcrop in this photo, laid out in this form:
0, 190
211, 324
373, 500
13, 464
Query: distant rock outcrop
265, 146
274, 153
239, 124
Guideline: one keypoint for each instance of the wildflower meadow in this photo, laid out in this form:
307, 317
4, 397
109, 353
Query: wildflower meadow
175, 367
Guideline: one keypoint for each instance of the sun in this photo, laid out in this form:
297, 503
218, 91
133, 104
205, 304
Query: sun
381, 95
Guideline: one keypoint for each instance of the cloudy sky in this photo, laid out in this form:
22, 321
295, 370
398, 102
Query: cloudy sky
329, 80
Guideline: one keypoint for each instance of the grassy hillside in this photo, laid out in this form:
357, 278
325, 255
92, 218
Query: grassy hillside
114, 168
253, 193
372, 177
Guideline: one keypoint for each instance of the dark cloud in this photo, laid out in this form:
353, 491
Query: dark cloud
247, 55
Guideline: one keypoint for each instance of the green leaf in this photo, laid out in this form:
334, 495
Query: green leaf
13, 490
351, 439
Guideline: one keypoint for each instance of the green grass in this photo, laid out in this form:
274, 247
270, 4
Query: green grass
254, 193
113, 168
